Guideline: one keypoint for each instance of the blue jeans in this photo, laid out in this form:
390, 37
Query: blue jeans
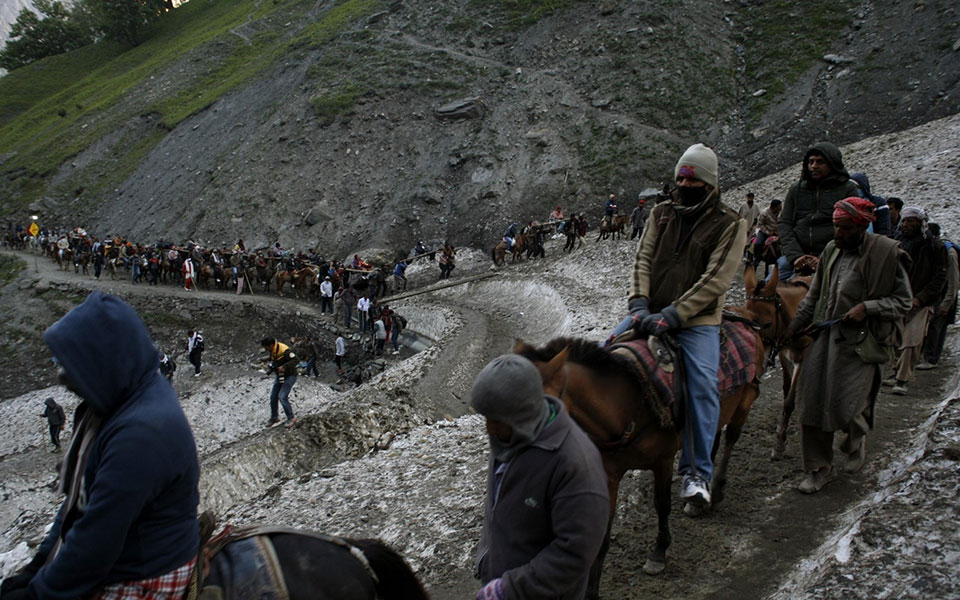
701, 355
785, 268
395, 337
312, 366
281, 392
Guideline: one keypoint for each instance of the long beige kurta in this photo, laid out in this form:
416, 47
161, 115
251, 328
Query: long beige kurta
834, 384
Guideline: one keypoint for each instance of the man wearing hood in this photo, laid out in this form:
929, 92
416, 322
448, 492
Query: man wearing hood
130, 475
881, 226
928, 277
55, 417
547, 503
806, 220
687, 256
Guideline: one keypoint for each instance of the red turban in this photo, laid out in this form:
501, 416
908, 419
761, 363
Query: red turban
857, 210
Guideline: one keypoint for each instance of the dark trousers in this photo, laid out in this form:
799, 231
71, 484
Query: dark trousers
55, 435
325, 303
312, 366
637, 232
937, 334
195, 360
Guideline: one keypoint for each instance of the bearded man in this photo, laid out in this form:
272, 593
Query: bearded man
928, 277
854, 309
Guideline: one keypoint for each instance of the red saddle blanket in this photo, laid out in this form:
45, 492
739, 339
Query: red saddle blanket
738, 364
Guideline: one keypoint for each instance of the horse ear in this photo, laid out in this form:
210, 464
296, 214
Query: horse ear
518, 346
771, 286
749, 279
556, 363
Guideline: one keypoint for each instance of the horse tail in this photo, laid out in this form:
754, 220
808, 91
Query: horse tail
395, 579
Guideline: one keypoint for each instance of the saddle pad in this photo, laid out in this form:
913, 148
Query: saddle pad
251, 570
738, 366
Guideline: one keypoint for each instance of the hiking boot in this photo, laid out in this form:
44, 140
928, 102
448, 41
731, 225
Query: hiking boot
291, 422
695, 490
889, 381
815, 480
273, 422
900, 389
856, 459
925, 365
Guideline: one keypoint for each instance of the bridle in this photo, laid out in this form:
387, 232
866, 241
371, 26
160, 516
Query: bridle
773, 343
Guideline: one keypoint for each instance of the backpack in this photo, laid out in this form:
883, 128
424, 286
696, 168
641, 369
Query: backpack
401, 321
199, 346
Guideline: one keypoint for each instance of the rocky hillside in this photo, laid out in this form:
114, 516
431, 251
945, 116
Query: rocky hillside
359, 124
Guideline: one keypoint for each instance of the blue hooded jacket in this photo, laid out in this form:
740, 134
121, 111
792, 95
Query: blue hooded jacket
137, 514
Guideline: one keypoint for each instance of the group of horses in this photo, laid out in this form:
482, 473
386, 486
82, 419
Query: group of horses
527, 243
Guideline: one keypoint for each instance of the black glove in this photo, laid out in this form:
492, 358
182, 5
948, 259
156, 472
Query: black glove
658, 323
639, 309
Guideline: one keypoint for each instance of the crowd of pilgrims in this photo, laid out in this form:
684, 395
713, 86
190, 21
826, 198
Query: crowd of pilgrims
193, 265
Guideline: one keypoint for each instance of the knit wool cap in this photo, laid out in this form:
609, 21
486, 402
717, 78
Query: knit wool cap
700, 163
509, 389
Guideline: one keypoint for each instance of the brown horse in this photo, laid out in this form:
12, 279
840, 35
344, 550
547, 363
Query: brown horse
613, 226
607, 398
774, 306
499, 254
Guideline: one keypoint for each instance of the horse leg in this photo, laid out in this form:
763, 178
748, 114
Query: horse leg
730, 437
662, 478
789, 402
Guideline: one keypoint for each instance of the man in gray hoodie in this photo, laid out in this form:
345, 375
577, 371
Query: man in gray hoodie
547, 503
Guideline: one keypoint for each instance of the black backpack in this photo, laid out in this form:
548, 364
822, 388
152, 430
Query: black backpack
199, 346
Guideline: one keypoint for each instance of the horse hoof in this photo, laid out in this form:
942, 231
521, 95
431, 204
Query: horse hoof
654, 567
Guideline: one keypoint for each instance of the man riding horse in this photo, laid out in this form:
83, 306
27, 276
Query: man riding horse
679, 289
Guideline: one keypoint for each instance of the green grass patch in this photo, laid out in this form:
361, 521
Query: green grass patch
329, 105
787, 39
57, 107
10, 269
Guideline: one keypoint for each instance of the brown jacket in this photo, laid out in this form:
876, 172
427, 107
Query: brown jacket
692, 273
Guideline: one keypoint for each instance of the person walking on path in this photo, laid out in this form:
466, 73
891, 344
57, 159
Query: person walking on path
326, 295
856, 303
928, 277
56, 418
637, 219
167, 366
284, 362
379, 335
339, 350
945, 313
547, 504
195, 348
349, 298
363, 312
399, 324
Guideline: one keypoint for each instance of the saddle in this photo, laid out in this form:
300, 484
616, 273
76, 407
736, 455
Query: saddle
659, 361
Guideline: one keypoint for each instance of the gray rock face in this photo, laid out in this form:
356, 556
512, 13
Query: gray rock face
467, 108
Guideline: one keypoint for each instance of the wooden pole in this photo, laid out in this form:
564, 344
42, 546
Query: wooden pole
435, 287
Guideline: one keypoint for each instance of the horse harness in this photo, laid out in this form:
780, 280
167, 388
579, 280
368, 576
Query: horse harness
773, 343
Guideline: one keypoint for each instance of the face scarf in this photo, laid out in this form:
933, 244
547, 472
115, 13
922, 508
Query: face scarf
692, 199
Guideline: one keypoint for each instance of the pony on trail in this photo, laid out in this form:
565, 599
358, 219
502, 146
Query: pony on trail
774, 308
613, 227
768, 254
615, 403
280, 562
